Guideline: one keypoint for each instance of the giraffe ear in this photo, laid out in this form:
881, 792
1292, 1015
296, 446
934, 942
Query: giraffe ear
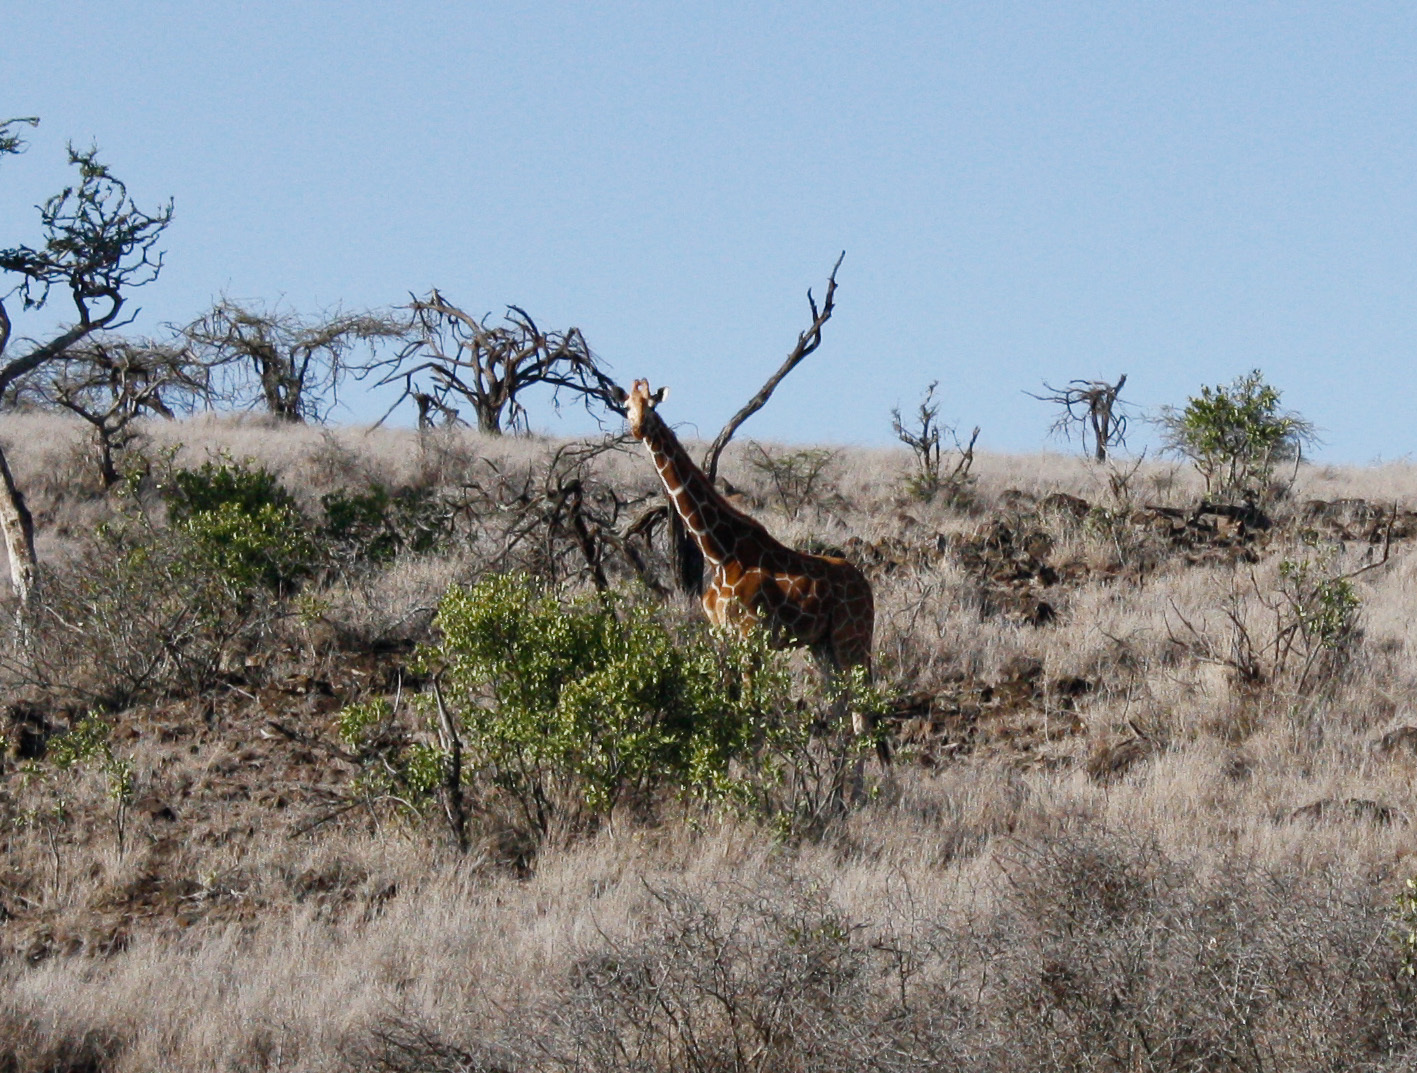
659, 396
618, 394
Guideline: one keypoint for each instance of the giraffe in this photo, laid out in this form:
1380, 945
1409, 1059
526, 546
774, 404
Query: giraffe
819, 602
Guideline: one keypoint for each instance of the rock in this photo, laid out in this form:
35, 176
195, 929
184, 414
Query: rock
1404, 738
1353, 808
1062, 503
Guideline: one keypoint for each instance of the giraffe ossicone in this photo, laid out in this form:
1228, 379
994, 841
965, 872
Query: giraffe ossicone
819, 602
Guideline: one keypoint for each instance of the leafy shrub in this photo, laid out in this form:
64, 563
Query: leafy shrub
376, 525
1235, 435
243, 525
269, 549
212, 486
394, 766
599, 699
567, 709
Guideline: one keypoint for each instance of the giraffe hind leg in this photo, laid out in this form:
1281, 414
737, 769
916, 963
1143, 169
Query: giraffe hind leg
828, 660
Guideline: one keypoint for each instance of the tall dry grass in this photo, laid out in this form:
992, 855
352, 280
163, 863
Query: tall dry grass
1171, 870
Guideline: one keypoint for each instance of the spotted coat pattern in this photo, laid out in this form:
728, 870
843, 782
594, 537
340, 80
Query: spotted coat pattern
819, 602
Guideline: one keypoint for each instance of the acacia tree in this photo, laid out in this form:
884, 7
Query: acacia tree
291, 365
457, 356
109, 382
98, 245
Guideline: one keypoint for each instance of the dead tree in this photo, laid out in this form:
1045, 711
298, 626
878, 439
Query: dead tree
924, 442
1093, 407
428, 406
559, 521
109, 382
454, 354
290, 365
688, 559
98, 246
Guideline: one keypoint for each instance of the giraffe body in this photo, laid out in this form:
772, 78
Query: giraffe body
819, 602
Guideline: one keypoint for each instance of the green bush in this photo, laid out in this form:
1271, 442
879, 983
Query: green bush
267, 549
1317, 622
394, 766
212, 486
1235, 435
242, 524
376, 525
569, 708
589, 702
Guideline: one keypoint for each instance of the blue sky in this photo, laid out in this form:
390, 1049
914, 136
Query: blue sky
1177, 191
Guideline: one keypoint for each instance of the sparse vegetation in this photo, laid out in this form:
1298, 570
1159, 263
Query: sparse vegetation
796, 478
356, 721
924, 440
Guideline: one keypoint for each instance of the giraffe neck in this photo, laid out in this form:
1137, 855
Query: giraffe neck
721, 532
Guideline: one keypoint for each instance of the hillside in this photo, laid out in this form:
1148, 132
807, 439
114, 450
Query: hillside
1151, 804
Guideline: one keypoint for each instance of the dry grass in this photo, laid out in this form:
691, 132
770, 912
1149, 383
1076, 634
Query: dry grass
1100, 849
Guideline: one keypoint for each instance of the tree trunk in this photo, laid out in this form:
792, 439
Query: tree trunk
489, 416
107, 472
282, 394
17, 526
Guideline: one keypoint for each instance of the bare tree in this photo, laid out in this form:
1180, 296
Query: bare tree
109, 382
1093, 407
98, 245
458, 355
924, 441
291, 365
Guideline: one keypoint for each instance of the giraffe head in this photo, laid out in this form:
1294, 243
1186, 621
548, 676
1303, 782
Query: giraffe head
638, 403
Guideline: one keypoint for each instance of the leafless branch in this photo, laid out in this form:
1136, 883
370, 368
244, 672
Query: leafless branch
688, 559
291, 365
109, 382
807, 342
